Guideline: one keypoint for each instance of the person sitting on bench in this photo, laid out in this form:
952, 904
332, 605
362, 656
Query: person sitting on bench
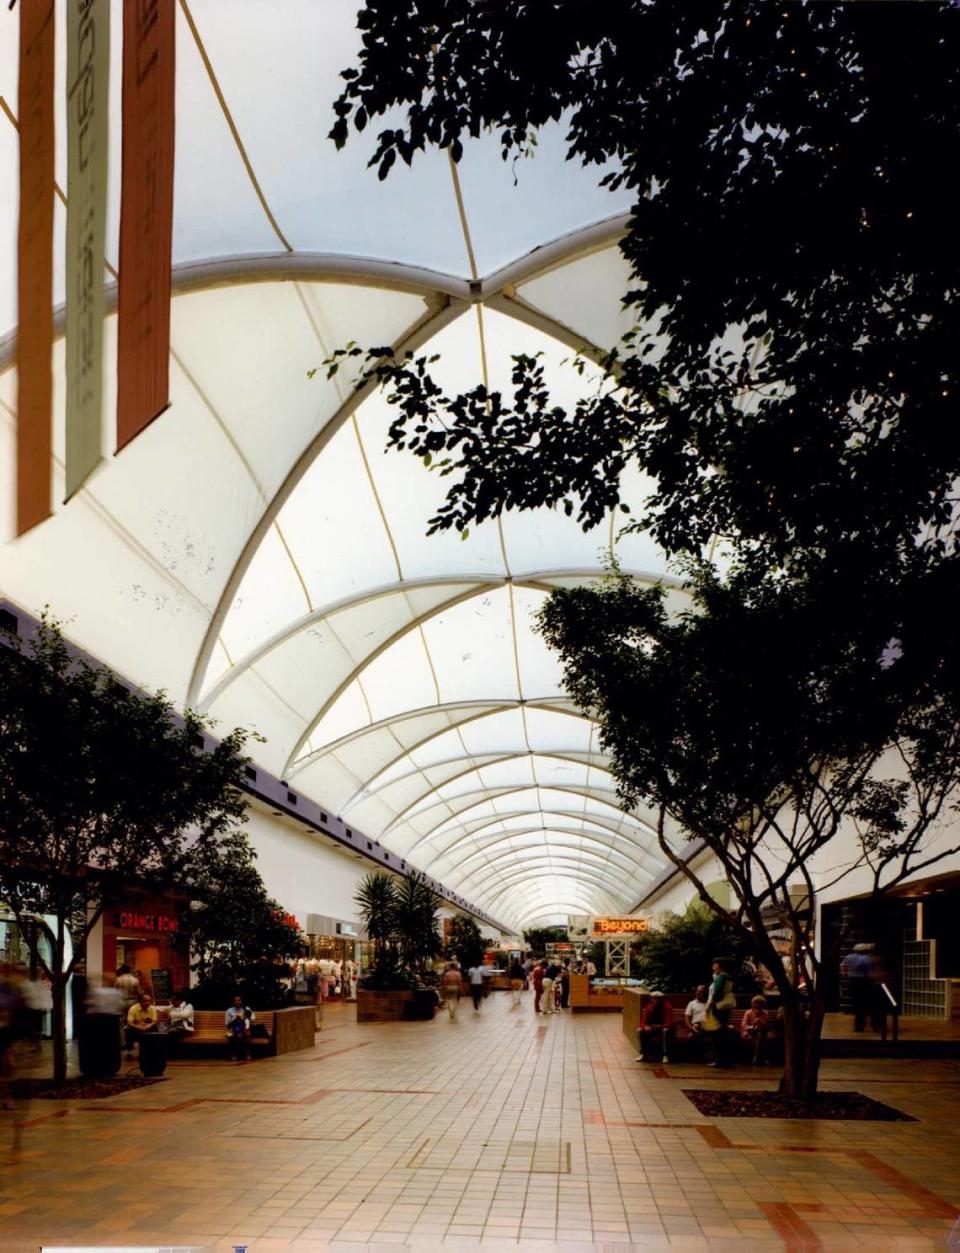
141, 1018
180, 1017
656, 1023
237, 1020
754, 1028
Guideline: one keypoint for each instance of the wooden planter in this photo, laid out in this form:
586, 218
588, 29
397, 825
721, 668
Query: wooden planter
382, 1006
293, 1029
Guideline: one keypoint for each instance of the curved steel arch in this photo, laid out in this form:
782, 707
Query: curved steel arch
539, 260
496, 793
475, 585
486, 713
593, 844
490, 705
306, 621
559, 855
530, 874
532, 755
629, 850
570, 814
409, 627
492, 757
647, 856
476, 881
528, 787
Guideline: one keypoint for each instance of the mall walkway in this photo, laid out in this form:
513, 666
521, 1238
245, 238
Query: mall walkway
495, 1130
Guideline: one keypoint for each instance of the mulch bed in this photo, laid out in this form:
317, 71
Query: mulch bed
829, 1105
79, 1088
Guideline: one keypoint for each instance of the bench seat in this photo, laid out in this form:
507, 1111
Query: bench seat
209, 1029
683, 1041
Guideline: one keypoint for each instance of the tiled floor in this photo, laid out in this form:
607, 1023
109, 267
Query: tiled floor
502, 1130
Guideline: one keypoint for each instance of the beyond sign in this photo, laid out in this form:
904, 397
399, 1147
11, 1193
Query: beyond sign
619, 926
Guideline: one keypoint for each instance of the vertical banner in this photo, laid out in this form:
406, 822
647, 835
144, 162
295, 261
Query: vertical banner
35, 263
88, 70
146, 215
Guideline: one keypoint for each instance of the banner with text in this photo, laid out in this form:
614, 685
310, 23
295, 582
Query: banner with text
35, 263
146, 215
88, 71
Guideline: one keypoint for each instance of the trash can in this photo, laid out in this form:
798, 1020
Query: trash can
98, 1042
153, 1048
421, 1007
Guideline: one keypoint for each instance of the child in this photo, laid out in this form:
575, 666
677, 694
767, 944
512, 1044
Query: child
756, 1023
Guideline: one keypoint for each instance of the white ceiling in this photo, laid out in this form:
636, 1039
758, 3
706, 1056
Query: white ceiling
258, 553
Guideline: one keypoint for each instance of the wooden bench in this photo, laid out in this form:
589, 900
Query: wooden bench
681, 1041
209, 1029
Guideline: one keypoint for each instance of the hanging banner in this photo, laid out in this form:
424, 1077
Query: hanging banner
88, 70
35, 263
146, 215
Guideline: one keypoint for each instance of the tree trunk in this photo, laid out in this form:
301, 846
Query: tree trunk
58, 1029
801, 1048
58, 1018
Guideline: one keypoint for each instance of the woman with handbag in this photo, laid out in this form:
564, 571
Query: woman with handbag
720, 1004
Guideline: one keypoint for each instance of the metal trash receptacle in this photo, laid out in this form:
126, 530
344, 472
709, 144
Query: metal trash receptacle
98, 1045
154, 1047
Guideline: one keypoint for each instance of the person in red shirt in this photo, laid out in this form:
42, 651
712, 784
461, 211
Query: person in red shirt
537, 977
656, 1025
755, 1026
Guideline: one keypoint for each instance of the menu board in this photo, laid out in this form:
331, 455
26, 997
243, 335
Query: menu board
162, 986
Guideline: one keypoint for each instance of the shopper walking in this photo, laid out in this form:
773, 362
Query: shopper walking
475, 976
547, 1001
129, 987
565, 985
857, 969
517, 980
450, 984
536, 976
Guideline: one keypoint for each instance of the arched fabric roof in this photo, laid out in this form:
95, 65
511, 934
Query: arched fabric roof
257, 553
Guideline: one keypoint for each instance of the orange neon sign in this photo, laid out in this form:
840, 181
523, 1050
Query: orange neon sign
620, 926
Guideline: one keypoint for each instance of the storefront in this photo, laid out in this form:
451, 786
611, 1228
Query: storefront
338, 945
912, 937
143, 933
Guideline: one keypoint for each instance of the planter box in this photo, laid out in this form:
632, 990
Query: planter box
383, 1006
293, 1029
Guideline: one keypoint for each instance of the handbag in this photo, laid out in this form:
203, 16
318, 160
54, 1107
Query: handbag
710, 1022
727, 1001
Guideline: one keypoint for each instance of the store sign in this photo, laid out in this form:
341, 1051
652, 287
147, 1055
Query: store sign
620, 926
131, 921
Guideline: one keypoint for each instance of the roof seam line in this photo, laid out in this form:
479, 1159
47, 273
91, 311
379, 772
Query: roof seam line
228, 117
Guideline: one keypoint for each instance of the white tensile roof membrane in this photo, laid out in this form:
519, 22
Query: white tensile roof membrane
257, 553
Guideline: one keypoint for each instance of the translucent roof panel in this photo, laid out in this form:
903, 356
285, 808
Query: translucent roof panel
258, 553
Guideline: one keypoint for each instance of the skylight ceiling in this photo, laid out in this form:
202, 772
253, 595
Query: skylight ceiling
256, 551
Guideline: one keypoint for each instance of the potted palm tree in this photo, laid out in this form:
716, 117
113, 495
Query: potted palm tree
401, 919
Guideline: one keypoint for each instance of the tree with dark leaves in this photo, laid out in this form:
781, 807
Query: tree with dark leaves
101, 788
748, 724
789, 387
792, 380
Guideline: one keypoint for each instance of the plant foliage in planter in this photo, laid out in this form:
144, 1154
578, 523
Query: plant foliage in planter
401, 917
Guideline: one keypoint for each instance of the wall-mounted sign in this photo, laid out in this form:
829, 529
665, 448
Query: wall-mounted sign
129, 920
619, 926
